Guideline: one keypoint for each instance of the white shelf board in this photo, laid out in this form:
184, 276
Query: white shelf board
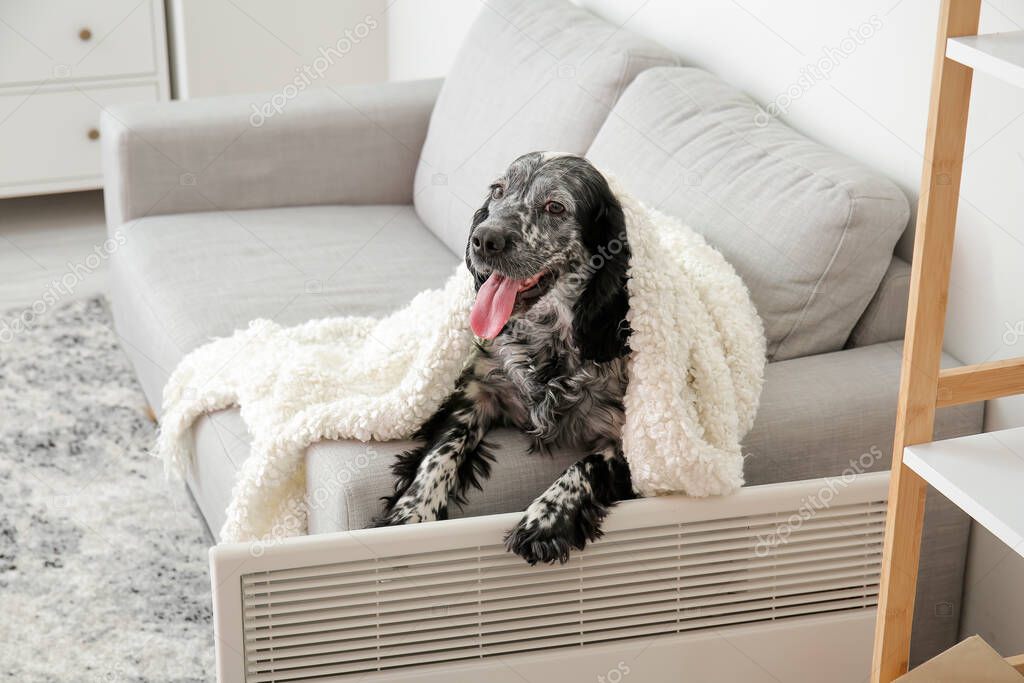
997, 54
983, 474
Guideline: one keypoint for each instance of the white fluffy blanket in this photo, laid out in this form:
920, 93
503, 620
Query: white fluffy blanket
695, 375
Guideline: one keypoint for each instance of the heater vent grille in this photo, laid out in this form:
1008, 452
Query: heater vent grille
409, 610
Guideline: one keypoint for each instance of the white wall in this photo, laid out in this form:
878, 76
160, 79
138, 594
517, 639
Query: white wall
220, 47
872, 106
423, 35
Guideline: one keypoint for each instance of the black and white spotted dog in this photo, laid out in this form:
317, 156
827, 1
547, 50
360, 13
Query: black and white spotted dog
549, 253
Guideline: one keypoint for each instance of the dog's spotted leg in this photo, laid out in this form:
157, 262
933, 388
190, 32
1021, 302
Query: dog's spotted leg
452, 458
570, 511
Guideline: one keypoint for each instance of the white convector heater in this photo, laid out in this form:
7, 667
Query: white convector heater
774, 583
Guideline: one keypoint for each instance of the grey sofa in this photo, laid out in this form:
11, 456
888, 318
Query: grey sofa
350, 200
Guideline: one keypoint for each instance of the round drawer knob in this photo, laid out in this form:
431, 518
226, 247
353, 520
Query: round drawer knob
85, 34
94, 134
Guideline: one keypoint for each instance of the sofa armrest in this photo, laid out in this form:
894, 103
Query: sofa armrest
885, 318
352, 145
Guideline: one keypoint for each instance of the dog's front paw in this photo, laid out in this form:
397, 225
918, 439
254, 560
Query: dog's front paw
397, 515
551, 527
535, 542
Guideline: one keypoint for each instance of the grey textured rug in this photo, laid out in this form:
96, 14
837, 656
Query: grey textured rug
103, 569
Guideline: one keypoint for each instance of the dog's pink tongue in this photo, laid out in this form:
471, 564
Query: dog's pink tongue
494, 304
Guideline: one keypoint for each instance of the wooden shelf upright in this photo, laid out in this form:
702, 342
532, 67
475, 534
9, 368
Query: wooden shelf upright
984, 473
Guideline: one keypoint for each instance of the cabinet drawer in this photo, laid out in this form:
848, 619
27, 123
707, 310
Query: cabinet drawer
52, 136
70, 39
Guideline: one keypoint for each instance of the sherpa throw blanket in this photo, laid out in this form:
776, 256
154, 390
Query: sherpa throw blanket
695, 375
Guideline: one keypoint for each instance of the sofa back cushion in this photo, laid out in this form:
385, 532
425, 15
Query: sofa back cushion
810, 231
531, 75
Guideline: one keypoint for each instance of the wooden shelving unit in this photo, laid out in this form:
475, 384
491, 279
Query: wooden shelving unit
998, 54
983, 474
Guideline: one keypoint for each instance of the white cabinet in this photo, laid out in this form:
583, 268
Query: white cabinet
62, 62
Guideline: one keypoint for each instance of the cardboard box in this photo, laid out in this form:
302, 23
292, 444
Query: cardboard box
969, 661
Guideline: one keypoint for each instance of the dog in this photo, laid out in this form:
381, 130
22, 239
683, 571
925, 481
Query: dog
549, 254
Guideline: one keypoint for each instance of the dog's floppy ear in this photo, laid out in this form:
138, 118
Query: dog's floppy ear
479, 217
599, 321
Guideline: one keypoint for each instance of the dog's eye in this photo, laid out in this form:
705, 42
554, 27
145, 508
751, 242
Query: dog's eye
554, 208
497, 191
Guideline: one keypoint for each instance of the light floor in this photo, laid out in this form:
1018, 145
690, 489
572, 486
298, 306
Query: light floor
51, 238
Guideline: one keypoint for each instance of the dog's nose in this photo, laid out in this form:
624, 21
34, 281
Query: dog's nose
489, 241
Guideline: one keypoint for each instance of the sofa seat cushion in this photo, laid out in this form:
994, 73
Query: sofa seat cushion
531, 75
181, 279
810, 231
818, 416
